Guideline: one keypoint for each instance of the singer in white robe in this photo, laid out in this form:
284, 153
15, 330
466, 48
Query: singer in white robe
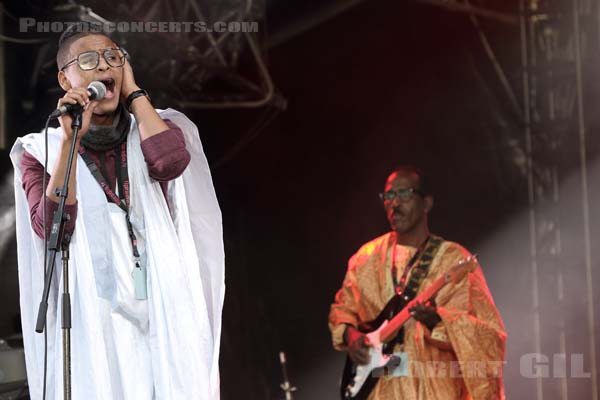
165, 347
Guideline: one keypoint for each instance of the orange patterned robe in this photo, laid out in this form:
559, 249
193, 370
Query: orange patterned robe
461, 358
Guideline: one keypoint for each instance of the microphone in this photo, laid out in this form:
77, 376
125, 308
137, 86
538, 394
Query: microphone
96, 91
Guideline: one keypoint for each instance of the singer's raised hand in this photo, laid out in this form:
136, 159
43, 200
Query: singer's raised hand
129, 85
149, 122
76, 96
72, 96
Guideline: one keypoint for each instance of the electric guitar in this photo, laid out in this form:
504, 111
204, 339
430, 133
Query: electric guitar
359, 380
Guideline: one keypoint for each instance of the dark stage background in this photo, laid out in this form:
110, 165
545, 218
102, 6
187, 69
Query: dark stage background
383, 83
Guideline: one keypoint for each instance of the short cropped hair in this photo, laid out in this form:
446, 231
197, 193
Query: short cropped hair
68, 37
424, 185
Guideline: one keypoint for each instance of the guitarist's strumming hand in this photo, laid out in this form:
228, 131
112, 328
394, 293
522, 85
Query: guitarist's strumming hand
426, 313
358, 345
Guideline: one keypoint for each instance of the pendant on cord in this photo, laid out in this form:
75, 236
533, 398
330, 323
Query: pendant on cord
140, 279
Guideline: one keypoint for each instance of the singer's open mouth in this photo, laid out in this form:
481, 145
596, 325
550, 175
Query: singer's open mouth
109, 83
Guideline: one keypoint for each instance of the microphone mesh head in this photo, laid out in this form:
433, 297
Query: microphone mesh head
97, 89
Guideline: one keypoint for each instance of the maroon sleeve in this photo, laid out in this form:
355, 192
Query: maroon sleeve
165, 153
33, 174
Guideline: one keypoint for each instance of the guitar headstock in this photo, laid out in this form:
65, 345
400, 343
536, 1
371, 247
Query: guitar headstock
463, 267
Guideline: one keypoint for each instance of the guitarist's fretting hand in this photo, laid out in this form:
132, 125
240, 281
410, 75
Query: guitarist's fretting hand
426, 313
358, 345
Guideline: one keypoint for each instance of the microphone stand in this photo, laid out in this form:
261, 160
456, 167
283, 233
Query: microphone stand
58, 240
286, 385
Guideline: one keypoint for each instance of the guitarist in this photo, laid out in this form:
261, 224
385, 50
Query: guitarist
455, 343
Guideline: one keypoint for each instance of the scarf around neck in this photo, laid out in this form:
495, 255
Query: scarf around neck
102, 138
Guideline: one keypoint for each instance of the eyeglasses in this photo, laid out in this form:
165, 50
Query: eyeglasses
89, 60
401, 194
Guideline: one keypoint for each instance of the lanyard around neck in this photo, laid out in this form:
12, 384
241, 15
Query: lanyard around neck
123, 199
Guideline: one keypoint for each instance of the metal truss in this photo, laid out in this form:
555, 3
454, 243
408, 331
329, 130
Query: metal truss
193, 67
556, 36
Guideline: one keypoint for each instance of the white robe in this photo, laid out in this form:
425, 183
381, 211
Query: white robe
166, 347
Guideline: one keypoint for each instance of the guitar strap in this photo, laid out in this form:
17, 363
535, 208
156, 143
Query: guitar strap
419, 272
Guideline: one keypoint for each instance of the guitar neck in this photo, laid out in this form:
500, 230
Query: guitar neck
394, 325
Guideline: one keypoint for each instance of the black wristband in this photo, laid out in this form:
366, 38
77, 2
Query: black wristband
134, 95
